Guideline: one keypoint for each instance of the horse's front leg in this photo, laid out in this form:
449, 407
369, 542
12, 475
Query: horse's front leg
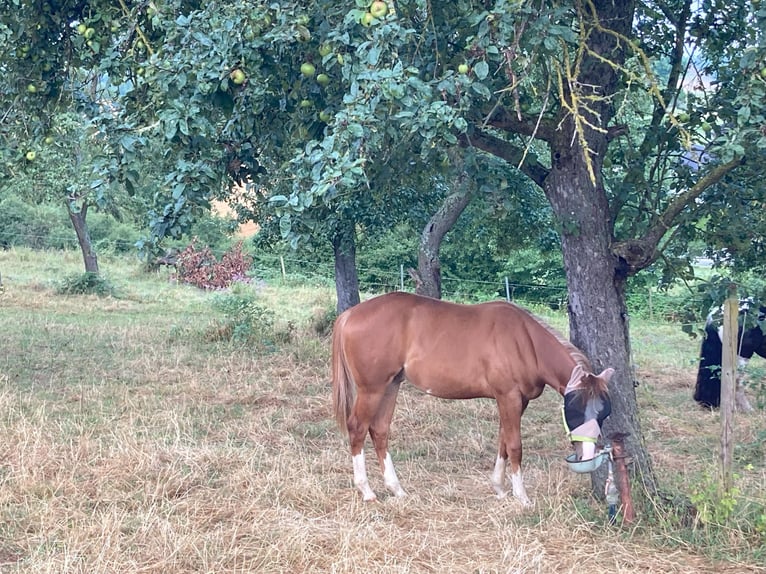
509, 447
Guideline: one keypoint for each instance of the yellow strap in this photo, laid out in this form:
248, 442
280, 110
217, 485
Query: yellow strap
574, 437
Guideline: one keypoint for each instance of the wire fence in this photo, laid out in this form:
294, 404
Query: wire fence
651, 305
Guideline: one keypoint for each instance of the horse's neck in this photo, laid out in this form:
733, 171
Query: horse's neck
562, 367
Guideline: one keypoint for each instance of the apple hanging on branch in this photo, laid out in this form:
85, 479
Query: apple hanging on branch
238, 77
308, 69
378, 9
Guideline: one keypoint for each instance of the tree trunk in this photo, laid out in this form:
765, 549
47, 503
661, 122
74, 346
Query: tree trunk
429, 266
346, 278
83, 238
598, 316
596, 280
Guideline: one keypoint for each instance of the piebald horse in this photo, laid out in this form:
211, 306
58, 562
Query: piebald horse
752, 341
492, 350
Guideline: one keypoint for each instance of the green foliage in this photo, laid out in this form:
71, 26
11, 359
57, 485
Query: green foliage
714, 504
719, 510
245, 320
379, 258
86, 284
536, 277
174, 100
45, 225
41, 226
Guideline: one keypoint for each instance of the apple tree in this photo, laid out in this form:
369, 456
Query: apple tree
62, 130
634, 119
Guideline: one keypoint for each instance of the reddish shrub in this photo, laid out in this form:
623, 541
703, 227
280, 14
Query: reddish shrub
201, 269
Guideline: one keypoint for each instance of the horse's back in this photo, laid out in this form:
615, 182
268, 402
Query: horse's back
447, 349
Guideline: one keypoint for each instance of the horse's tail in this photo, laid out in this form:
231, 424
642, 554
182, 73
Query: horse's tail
707, 391
342, 383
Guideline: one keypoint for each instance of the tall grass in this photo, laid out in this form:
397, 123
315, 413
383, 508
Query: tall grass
131, 442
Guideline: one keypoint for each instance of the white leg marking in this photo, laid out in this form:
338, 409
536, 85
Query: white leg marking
518, 488
389, 477
498, 476
360, 478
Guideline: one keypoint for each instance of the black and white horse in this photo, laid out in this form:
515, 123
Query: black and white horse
752, 341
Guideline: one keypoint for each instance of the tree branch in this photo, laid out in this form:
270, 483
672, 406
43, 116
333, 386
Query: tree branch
511, 153
638, 254
503, 120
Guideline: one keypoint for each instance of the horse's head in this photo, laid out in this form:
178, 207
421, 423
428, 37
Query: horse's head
586, 405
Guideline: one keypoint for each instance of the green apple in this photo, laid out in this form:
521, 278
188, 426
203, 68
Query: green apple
367, 19
49, 140
306, 103
81, 29
323, 79
325, 116
378, 9
89, 33
763, 73
31, 88
308, 69
238, 77
325, 49
463, 68
304, 35
31, 155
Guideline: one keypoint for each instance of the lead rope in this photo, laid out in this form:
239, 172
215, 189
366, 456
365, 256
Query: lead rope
610, 489
742, 335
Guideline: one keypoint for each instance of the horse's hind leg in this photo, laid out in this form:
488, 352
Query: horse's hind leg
365, 408
379, 433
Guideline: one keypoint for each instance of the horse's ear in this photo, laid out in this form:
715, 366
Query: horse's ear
606, 374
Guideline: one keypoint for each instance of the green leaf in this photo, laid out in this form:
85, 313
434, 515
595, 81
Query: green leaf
285, 225
482, 90
481, 69
373, 56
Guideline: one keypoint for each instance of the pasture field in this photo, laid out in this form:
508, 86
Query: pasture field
133, 440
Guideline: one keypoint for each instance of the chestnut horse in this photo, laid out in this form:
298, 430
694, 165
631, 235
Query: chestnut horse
491, 350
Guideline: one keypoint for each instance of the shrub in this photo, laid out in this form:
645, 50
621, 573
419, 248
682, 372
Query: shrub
323, 319
244, 320
200, 268
86, 284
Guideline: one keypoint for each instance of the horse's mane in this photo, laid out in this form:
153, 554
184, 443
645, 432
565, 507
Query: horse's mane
577, 355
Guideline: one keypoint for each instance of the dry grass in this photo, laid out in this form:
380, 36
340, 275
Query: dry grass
128, 444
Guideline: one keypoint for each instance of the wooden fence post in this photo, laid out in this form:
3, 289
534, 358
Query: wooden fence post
728, 380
